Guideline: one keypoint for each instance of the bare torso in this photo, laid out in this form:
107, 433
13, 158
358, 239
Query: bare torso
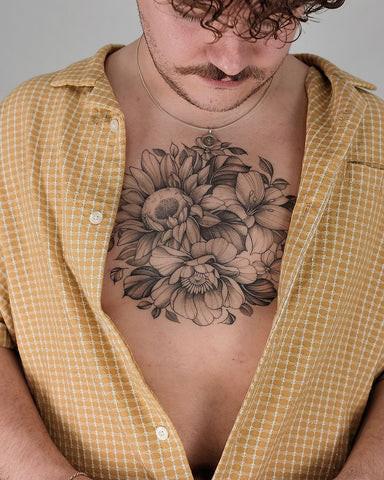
200, 367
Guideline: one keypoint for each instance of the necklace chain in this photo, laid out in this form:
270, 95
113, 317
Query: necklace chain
210, 139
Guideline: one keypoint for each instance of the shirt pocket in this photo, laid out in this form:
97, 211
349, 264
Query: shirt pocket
363, 196
366, 181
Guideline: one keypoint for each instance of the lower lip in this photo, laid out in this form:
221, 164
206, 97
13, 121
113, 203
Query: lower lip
221, 84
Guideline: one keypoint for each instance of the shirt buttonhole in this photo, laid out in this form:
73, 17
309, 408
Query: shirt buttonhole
307, 207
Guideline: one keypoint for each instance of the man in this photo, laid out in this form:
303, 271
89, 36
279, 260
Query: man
191, 257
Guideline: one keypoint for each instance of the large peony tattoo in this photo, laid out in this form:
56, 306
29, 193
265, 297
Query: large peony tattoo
202, 233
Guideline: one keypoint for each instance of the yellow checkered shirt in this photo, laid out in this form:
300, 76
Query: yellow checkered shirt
61, 162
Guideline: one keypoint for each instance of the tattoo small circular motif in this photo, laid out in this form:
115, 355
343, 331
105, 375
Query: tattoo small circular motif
208, 140
202, 232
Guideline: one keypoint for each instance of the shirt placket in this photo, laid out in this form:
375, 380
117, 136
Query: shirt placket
108, 164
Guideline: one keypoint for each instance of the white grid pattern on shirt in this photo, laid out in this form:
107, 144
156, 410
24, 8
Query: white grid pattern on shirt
308, 394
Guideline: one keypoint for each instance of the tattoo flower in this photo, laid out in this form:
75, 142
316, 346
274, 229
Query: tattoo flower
160, 204
268, 266
203, 285
201, 233
258, 207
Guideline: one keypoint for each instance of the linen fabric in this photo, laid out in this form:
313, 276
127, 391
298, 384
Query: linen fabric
62, 168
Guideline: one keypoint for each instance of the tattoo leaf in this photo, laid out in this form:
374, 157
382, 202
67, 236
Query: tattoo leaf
191, 152
232, 160
144, 305
266, 166
111, 243
171, 316
174, 180
290, 205
261, 292
228, 172
140, 283
202, 175
116, 274
198, 163
209, 220
156, 312
246, 309
237, 151
174, 150
280, 183
183, 155
230, 319
159, 152
279, 236
265, 179
124, 253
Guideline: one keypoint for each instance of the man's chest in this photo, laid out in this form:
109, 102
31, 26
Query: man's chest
192, 273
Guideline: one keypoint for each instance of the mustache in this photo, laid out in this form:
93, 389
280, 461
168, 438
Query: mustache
211, 72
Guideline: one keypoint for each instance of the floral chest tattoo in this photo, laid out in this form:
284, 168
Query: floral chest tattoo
201, 232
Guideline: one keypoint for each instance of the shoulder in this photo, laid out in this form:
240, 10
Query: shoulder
21, 114
27, 103
374, 108
369, 138
29, 113
24, 101
341, 81
38, 95
352, 105
374, 112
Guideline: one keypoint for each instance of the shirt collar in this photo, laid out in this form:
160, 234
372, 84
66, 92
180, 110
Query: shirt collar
84, 73
332, 71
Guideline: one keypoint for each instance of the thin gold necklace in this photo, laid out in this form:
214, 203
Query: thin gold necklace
209, 139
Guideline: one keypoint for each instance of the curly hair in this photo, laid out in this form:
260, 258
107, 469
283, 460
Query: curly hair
264, 18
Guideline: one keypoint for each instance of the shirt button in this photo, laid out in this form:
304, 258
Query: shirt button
114, 125
161, 433
96, 218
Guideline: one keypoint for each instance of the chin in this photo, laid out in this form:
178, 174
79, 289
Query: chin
217, 106
220, 101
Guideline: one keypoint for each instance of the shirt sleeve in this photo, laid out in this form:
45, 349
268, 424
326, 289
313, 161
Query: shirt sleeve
5, 338
7, 333
380, 378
